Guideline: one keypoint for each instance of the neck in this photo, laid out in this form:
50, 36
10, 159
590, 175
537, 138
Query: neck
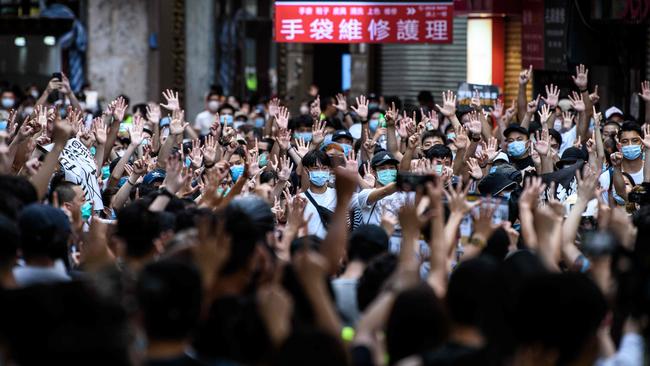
467, 336
354, 270
318, 190
157, 349
632, 166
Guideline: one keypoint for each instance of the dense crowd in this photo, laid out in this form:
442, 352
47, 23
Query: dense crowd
360, 231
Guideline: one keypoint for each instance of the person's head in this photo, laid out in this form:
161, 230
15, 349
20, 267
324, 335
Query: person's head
440, 155
629, 182
169, 299
417, 322
425, 99
517, 140
557, 316
212, 102
377, 271
385, 167
71, 197
430, 138
630, 138
7, 99
44, 232
15, 193
367, 242
140, 110
344, 138
317, 164
556, 139
154, 178
139, 229
610, 129
470, 292
226, 114
615, 115
313, 347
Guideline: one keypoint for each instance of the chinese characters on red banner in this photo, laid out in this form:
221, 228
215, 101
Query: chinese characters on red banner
365, 22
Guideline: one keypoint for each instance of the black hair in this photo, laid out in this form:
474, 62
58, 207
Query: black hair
425, 96
217, 89
313, 347
367, 242
630, 126
559, 311
212, 93
139, 227
15, 193
470, 289
439, 152
142, 107
373, 278
300, 121
555, 135
10, 242
416, 323
226, 106
310, 242
434, 133
169, 297
312, 158
65, 192
393, 99
240, 151
268, 176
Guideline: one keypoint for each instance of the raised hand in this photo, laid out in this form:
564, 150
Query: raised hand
362, 107
576, 102
139, 167
318, 133
282, 118
461, 141
274, 107
196, 154
173, 178
616, 159
474, 124
594, 97
172, 100
430, 120
99, 129
530, 196
645, 91
456, 198
567, 119
581, 77
587, 183
552, 95
341, 103
368, 177
475, 170
153, 113
646, 138
598, 117
284, 139
542, 142
531, 107
524, 75
62, 131
498, 109
286, 167
351, 162
119, 107
209, 150
41, 115
135, 131
448, 104
414, 141
391, 115
510, 112
491, 148
177, 125
302, 147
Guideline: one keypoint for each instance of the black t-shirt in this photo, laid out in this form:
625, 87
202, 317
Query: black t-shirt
522, 164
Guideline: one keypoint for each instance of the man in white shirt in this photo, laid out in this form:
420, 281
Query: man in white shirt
384, 196
630, 160
205, 119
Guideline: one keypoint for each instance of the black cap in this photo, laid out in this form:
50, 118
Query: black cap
342, 134
382, 158
515, 128
494, 183
571, 156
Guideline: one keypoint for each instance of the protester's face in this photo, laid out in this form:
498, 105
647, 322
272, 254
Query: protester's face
610, 130
235, 160
628, 184
430, 141
616, 118
303, 129
630, 138
464, 119
318, 167
516, 136
441, 161
226, 112
555, 145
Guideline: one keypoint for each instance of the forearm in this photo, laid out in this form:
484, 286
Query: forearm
646, 169
582, 129
73, 100
405, 163
41, 179
522, 100
165, 151
572, 222
450, 233
42, 100
525, 121
619, 183
486, 126
112, 134
159, 203
379, 193
455, 122
600, 148
391, 140
459, 164
117, 172
325, 313
547, 164
335, 241
528, 228
123, 193
99, 154
438, 258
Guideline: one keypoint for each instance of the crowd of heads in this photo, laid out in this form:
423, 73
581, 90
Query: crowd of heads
353, 230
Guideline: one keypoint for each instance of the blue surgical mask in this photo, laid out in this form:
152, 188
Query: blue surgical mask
7, 103
493, 169
346, 149
439, 169
506, 195
259, 122
319, 178
93, 150
236, 171
63, 112
222, 192
106, 172
373, 124
3, 125
264, 159
516, 148
387, 176
451, 136
188, 161
144, 142
305, 136
226, 120
631, 152
86, 210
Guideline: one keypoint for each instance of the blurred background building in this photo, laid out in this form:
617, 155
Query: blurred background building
139, 47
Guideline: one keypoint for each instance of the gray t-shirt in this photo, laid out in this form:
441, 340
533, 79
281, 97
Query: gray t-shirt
31, 275
345, 290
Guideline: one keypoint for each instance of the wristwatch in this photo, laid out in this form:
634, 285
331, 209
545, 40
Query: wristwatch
479, 242
166, 192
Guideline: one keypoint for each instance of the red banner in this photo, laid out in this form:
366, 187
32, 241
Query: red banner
363, 22
532, 34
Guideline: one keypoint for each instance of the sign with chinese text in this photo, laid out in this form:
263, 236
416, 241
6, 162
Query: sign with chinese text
363, 21
532, 34
487, 93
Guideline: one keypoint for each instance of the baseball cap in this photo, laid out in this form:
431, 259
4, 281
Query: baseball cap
372, 235
514, 128
501, 156
496, 182
564, 104
612, 111
341, 134
154, 176
382, 158
570, 156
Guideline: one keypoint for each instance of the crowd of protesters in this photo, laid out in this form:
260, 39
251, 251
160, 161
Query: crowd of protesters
361, 231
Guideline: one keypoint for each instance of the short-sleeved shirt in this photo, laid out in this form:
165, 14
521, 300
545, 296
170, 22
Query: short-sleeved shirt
203, 122
328, 200
371, 213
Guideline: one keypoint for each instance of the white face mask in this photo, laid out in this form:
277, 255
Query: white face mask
27, 111
304, 110
7, 103
213, 105
34, 93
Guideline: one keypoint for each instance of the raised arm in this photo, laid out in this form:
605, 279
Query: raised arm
522, 99
391, 139
646, 143
115, 110
645, 96
60, 136
448, 108
582, 125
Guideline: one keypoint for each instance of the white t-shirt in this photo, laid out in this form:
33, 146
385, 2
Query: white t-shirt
327, 200
568, 138
391, 203
605, 180
203, 122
